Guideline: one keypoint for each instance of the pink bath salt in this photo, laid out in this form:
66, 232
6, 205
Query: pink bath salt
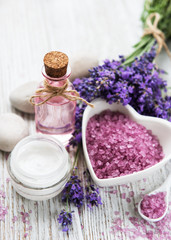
123, 195
15, 218
115, 191
116, 212
3, 212
118, 146
138, 228
112, 191
2, 194
131, 194
25, 217
3, 207
25, 235
8, 180
153, 206
128, 200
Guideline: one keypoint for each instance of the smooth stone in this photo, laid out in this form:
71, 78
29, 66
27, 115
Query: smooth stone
12, 129
80, 64
20, 97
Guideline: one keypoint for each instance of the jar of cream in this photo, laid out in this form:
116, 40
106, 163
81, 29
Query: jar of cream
39, 167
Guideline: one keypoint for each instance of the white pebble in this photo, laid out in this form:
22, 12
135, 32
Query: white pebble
12, 129
20, 97
81, 63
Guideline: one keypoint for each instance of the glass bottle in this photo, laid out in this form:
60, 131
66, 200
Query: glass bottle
57, 115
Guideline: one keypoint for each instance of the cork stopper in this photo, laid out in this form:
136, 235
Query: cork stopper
55, 64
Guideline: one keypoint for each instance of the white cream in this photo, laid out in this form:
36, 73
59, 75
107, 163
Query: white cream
39, 162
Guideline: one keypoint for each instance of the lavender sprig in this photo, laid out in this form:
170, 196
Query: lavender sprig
73, 192
92, 193
65, 219
92, 196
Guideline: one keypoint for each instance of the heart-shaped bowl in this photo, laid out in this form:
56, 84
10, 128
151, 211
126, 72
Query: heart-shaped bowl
159, 127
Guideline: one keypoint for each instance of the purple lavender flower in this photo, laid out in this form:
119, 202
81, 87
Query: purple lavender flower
139, 85
92, 193
65, 219
73, 192
92, 196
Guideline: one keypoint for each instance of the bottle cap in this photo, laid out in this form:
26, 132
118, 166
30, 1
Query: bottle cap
55, 64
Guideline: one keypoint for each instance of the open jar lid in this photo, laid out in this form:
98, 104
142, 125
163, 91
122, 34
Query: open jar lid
39, 161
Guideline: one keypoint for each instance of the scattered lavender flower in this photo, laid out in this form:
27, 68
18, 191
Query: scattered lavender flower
139, 85
92, 193
65, 219
73, 191
92, 196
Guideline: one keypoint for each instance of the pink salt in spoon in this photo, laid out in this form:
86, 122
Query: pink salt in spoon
156, 210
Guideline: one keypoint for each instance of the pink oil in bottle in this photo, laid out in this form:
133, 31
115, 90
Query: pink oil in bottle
57, 115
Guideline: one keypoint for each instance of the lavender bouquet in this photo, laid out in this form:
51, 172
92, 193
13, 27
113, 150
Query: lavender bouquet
134, 80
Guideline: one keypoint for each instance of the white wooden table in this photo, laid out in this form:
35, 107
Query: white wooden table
29, 29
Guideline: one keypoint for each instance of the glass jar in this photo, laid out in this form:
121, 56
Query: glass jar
39, 167
57, 115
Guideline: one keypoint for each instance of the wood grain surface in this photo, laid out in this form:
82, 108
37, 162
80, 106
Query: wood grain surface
29, 29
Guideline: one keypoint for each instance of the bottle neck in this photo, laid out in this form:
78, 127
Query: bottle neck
57, 83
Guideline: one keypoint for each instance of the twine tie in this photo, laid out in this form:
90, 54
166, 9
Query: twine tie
156, 32
50, 91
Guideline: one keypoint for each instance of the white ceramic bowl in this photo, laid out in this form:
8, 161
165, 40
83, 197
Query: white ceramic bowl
160, 127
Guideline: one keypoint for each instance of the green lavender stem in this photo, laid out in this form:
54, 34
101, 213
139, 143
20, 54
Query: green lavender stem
163, 7
76, 158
